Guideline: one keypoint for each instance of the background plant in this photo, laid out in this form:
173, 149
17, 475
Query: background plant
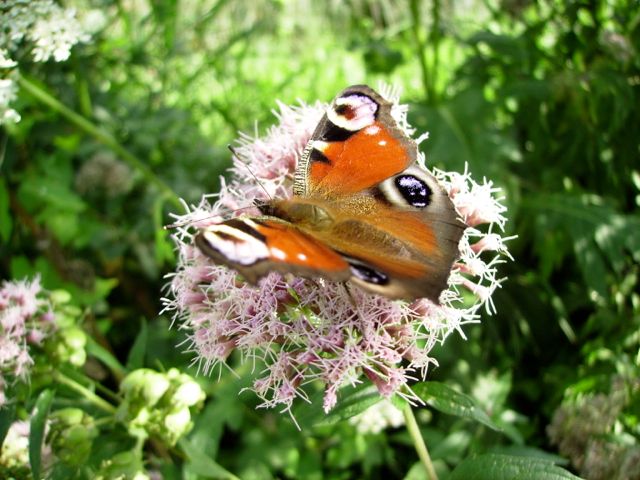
541, 97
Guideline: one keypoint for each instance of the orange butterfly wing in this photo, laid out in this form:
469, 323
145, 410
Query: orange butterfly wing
257, 246
355, 146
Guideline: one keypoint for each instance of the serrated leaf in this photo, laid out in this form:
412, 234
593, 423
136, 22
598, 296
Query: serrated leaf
200, 464
447, 400
505, 467
36, 431
352, 402
529, 452
139, 348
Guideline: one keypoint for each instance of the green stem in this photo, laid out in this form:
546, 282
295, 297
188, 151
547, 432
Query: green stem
100, 135
84, 391
418, 442
414, 7
435, 43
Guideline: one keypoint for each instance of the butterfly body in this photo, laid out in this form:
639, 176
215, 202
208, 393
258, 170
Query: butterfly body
362, 210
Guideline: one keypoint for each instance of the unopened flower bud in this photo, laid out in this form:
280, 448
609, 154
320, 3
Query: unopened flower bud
123, 465
145, 386
71, 435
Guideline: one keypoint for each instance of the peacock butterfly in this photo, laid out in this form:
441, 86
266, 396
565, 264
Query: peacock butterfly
362, 210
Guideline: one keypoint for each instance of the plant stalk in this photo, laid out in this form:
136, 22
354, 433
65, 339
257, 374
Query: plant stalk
84, 391
418, 442
101, 135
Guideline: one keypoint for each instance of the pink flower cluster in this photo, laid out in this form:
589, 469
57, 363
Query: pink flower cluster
24, 319
298, 331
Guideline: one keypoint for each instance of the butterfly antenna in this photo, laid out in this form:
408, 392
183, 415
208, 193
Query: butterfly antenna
353, 299
234, 152
171, 226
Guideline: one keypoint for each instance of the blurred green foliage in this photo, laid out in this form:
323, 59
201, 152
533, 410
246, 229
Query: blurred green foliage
541, 97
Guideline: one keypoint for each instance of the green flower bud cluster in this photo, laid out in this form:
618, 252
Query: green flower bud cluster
71, 434
123, 465
158, 403
67, 344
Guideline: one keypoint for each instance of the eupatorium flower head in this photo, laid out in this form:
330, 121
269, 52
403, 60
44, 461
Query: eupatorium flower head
305, 331
25, 319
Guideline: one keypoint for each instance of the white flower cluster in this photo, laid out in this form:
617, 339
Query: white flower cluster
49, 28
15, 448
8, 93
44, 28
378, 417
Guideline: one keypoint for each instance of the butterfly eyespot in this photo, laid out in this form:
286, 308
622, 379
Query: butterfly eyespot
368, 274
415, 191
345, 111
413, 188
353, 112
236, 241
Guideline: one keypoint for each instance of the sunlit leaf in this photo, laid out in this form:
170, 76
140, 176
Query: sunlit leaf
447, 400
505, 467
353, 401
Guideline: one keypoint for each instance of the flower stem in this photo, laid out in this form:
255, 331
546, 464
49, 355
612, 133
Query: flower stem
84, 391
99, 134
418, 442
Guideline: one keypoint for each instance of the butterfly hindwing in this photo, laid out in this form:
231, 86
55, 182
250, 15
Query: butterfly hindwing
400, 242
256, 246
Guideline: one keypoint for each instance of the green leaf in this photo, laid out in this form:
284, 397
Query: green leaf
351, 402
102, 354
7, 415
139, 349
505, 467
200, 464
416, 472
36, 432
355, 401
529, 452
601, 237
449, 401
6, 223
209, 424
